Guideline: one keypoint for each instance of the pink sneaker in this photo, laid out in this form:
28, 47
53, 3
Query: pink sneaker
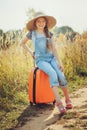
61, 108
68, 104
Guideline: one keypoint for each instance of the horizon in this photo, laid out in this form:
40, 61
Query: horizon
68, 13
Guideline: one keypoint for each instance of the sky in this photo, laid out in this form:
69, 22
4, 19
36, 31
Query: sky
72, 13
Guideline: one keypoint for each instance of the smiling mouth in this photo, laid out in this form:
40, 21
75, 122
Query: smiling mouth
41, 26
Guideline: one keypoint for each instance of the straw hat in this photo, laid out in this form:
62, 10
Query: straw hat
51, 21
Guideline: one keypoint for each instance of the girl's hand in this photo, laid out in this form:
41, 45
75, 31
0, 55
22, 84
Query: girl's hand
33, 55
61, 67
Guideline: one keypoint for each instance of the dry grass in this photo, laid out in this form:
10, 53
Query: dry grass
15, 65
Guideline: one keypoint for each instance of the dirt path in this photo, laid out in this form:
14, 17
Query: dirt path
48, 118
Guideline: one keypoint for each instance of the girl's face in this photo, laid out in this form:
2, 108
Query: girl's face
40, 23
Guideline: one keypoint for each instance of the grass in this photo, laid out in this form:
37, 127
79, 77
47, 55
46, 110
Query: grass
15, 65
9, 119
19, 112
79, 123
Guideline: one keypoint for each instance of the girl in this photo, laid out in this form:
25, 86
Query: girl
46, 56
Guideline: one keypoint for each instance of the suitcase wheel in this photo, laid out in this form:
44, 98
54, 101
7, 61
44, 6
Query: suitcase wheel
31, 104
54, 102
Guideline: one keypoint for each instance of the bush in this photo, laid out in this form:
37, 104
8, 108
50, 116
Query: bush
14, 75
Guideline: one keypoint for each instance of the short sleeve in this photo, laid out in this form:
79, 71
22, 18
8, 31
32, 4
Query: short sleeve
29, 35
51, 35
49, 40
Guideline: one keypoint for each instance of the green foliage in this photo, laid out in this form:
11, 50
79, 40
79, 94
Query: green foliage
14, 74
15, 65
1, 32
63, 30
75, 61
30, 13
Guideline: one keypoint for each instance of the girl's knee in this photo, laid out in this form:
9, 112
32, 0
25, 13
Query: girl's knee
53, 78
52, 73
63, 82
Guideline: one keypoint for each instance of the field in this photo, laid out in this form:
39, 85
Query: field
15, 65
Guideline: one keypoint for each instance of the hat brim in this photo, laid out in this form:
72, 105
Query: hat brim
51, 22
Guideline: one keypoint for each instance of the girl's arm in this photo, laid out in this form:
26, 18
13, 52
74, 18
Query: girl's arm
26, 47
55, 53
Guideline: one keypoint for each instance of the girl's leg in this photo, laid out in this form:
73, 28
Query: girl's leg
66, 94
61, 78
63, 83
56, 93
67, 98
47, 68
58, 101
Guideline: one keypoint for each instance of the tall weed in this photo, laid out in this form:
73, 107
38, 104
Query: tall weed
14, 73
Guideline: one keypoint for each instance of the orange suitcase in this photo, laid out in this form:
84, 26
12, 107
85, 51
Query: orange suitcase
39, 87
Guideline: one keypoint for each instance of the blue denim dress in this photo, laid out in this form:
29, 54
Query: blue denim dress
45, 59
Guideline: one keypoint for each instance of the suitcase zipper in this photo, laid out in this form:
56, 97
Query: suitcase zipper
34, 85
